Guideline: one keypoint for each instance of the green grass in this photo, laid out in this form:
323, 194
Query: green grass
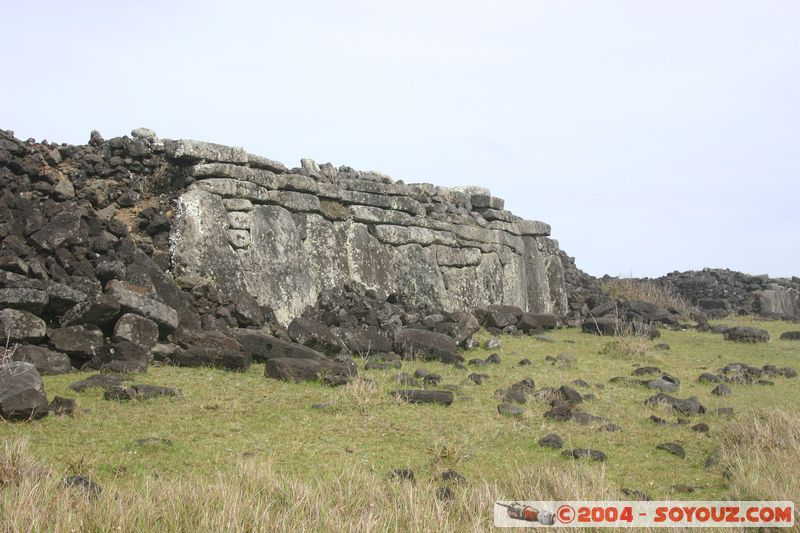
224, 418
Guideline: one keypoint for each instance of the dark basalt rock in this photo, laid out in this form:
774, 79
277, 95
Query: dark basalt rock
424, 396
264, 347
22, 394
296, 370
585, 453
551, 441
672, 447
196, 356
414, 343
746, 334
47, 362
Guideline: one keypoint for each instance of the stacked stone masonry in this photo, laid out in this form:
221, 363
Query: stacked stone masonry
257, 228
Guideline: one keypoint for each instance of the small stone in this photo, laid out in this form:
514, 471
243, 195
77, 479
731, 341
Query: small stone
119, 393
525, 362
645, 370
402, 474
551, 441
509, 409
722, 390
493, 359
62, 406
672, 447
702, 427
477, 379
452, 476
584, 453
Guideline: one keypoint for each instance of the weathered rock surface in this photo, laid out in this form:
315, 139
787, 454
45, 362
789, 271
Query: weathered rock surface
21, 326
746, 334
686, 406
264, 347
47, 362
417, 343
22, 392
302, 369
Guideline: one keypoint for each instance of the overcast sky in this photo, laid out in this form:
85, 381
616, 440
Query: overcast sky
652, 136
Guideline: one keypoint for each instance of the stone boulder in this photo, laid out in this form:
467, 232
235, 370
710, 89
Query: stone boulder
136, 299
47, 362
687, 406
137, 330
22, 394
264, 347
24, 299
21, 326
364, 342
81, 341
301, 369
500, 316
417, 343
604, 325
315, 335
746, 334
125, 356
198, 356
530, 322
790, 336
100, 310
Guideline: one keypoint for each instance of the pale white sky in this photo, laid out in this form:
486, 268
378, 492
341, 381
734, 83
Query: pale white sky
653, 136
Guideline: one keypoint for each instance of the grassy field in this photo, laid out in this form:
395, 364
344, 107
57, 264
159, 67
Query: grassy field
228, 431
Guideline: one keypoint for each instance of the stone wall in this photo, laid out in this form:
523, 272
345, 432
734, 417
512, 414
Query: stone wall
721, 292
258, 229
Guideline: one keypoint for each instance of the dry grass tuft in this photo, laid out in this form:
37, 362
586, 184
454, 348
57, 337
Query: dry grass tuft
254, 497
758, 454
648, 291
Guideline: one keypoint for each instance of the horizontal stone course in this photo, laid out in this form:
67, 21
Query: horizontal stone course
444, 247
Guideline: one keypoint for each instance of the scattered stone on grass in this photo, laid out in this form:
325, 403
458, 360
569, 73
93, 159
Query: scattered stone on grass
62, 406
508, 409
746, 334
686, 406
451, 476
584, 453
405, 474
672, 447
722, 390
551, 441
645, 370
